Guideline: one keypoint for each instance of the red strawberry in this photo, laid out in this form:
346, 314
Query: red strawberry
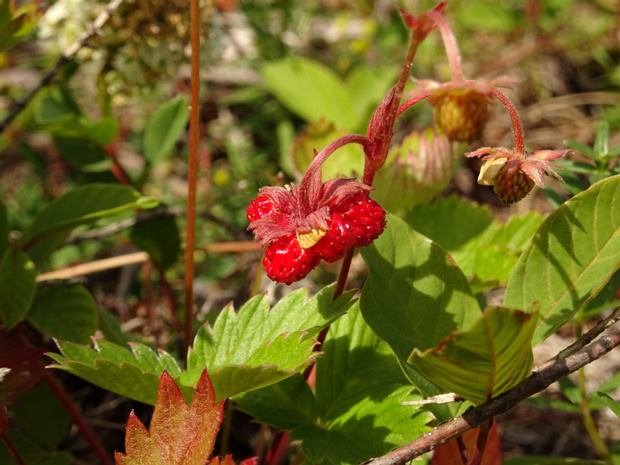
260, 207
286, 262
355, 222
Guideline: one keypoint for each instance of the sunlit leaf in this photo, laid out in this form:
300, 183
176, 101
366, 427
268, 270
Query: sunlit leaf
571, 258
132, 374
415, 294
178, 434
258, 346
480, 362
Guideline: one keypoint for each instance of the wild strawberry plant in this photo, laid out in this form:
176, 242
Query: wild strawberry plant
358, 375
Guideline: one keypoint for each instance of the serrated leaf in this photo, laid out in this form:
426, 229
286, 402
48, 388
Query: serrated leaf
64, 312
415, 294
257, 346
483, 361
359, 389
573, 255
82, 205
178, 433
164, 129
17, 281
131, 374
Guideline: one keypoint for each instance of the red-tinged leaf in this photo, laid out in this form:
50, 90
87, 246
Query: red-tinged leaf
23, 362
449, 453
178, 434
4, 420
228, 460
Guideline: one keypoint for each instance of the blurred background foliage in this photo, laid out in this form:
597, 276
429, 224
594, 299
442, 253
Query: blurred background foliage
279, 78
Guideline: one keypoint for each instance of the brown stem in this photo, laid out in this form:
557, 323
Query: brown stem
481, 441
77, 418
536, 382
194, 134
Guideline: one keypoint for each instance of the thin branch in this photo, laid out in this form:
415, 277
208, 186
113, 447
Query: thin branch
91, 30
589, 336
536, 382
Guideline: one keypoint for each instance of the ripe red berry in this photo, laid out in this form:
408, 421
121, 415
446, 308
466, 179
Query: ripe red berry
286, 262
260, 207
354, 222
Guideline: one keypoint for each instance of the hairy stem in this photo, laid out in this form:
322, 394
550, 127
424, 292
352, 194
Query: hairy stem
517, 127
452, 49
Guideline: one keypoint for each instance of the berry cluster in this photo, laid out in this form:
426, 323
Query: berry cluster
300, 229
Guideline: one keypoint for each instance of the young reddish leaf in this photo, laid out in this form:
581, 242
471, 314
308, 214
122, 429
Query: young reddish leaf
178, 434
228, 460
449, 453
23, 363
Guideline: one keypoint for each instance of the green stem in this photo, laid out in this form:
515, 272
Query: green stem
588, 420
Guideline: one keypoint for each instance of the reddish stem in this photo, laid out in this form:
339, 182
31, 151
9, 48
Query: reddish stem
277, 449
316, 163
517, 127
77, 418
452, 48
194, 124
11, 448
411, 102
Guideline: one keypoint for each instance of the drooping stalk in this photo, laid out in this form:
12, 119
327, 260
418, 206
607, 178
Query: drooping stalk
451, 46
517, 127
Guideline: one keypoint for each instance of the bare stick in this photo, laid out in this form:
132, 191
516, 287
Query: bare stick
536, 382
91, 30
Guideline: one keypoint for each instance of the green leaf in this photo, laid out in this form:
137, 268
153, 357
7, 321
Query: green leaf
285, 405
159, 237
415, 294
485, 250
579, 147
17, 281
311, 90
359, 389
64, 312
613, 404
571, 258
82, 205
164, 129
483, 361
257, 346
132, 374
356, 412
